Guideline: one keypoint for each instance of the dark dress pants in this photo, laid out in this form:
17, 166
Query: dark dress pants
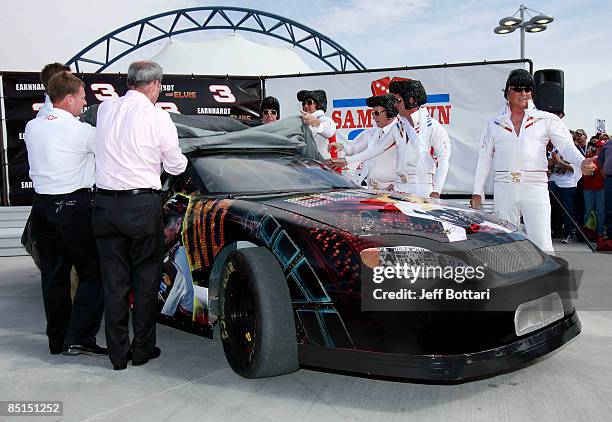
567, 196
608, 205
61, 226
129, 234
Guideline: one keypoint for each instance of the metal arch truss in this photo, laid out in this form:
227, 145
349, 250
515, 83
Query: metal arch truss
135, 35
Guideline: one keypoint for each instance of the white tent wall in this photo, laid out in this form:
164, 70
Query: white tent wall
463, 98
229, 55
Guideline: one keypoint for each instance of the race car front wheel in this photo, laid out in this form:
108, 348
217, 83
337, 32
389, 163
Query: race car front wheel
256, 317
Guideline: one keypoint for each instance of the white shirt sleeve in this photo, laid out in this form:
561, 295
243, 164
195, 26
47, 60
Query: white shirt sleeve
326, 128
89, 137
411, 150
485, 158
172, 158
360, 143
442, 149
374, 148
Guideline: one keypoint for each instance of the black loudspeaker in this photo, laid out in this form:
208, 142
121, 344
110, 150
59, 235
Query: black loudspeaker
548, 95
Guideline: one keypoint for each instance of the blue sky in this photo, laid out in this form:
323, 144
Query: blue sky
379, 33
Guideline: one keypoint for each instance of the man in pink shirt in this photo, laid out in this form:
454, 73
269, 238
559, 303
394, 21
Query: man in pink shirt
134, 138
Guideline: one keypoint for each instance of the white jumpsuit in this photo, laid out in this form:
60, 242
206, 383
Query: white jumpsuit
409, 151
374, 148
429, 173
520, 165
322, 133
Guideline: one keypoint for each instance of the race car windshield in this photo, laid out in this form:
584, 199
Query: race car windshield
262, 173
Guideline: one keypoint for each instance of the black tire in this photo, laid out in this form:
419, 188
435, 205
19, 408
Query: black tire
255, 315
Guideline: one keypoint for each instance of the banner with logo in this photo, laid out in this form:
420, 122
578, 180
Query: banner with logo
461, 97
3, 161
600, 125
24, 95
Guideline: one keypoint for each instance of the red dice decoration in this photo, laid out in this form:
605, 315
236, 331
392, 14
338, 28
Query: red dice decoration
381, 86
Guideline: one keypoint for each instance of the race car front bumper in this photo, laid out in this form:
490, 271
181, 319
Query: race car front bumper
444, 368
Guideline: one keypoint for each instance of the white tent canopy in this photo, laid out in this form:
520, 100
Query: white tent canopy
229, 55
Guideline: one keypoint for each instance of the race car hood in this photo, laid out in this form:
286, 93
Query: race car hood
370, 213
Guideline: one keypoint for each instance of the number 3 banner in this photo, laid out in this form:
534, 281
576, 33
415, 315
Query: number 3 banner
23, 95
239, 98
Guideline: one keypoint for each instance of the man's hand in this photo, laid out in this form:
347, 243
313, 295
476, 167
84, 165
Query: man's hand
475, 202
557, 158
588, 167
338, 145
336, 163
309, 119
435, 195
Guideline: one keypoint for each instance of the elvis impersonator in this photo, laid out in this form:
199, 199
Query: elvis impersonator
515, 143
378, 148
314, 106
429, 174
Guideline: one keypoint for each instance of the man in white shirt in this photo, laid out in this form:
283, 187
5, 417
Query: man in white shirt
514, 142
429, 174
46, 73
314, 106
61, 157
134, 140
374, 149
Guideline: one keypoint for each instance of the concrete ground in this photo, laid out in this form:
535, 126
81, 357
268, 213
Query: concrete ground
192, 381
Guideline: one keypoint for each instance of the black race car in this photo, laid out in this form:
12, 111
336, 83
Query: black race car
298, 266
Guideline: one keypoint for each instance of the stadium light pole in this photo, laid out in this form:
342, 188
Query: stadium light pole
536, 23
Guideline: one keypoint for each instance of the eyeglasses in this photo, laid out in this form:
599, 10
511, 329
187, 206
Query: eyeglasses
270, 112
521, 89
308, 102
378, 113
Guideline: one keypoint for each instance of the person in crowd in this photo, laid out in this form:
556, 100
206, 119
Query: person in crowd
46, 74
591, 144
581, 144
414, 121
270, 110
556, 213
605, 160
61, 157
562, 183
581, 141
594, 196
374, 149
134, 140
514, 143
314, 106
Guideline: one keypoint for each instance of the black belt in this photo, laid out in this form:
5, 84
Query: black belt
128, 192
82, 190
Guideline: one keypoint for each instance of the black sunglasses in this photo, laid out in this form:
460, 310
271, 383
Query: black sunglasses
521, 89
308, 102
270, 112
